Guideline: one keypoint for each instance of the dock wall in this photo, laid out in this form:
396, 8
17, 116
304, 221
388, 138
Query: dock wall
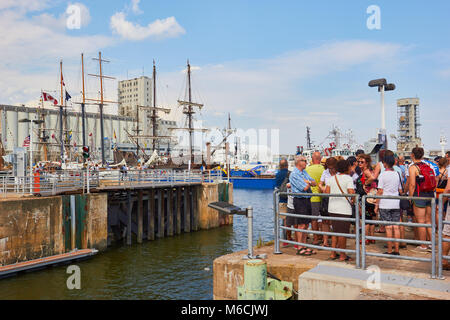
34, 227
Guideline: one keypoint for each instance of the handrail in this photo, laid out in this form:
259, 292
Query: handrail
436, 249
374, 222
441, 222
82, 180
355, 236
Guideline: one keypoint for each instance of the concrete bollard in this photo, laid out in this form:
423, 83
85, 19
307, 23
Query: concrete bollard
255, 281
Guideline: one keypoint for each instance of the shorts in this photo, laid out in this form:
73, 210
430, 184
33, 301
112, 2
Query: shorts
390, 215
423, 203
302, 206
315, 209
370, 211
291, 221
340, 226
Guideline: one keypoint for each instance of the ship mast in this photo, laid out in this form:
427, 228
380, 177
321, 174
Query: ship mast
101, 102
189, 111
154, 116
61, 115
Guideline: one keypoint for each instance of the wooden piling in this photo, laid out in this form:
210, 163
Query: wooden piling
130, 209
178, 213
160, 233
170, 212
194, 209
140, 216
187, 210
151, 215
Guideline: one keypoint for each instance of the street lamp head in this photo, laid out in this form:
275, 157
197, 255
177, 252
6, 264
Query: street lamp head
377, 83
389, 87
24, 120
38, 121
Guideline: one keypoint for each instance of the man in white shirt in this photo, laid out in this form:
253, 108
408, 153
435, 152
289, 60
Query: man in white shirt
389, 184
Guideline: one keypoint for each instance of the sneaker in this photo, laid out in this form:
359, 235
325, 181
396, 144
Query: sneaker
422, 249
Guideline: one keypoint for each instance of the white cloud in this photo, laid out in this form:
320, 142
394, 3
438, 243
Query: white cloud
158, 29
35, 45
135, 7
24, 5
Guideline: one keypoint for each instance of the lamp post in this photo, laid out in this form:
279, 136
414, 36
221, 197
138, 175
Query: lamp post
31, 147
382, 86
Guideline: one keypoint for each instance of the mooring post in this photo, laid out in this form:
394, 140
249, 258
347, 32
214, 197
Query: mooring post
187, 210
170, 212
140, 217
151, 215
130, 208
178, 217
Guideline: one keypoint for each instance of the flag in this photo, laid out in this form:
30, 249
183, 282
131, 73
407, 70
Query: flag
62, 80
68, 96
48, 97
70, 135
26, 142
115, 138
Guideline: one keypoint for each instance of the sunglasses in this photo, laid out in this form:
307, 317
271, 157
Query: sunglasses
361, 162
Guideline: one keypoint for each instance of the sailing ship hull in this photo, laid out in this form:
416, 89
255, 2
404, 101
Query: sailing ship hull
255, 183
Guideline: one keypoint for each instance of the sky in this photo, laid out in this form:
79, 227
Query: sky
272, 65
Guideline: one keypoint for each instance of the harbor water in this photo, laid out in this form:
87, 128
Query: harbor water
180, 267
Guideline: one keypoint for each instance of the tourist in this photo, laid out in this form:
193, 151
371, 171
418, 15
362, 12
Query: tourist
357, 154
301, 182
441, 182
329, 172
353, 165
446, 229
315, 171
402, 166
389, 184
281, 181
340, 207
368, 184
421, 179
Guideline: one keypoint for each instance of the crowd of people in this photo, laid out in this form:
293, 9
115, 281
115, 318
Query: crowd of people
391, 176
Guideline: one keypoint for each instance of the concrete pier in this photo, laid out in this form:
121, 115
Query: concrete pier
316, 278
38, 227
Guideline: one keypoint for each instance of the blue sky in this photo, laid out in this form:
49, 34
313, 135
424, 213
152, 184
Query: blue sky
272, 65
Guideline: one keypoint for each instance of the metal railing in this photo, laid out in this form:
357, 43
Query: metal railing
72, 180
355, 236
406, 224
441, 240
360, 233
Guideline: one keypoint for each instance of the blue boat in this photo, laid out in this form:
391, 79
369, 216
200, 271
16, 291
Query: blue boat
250, 179
253, 183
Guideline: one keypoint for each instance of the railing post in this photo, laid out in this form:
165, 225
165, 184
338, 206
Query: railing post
358, 253
440, 218
250, 231
363, 233
276, 199
433, 238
